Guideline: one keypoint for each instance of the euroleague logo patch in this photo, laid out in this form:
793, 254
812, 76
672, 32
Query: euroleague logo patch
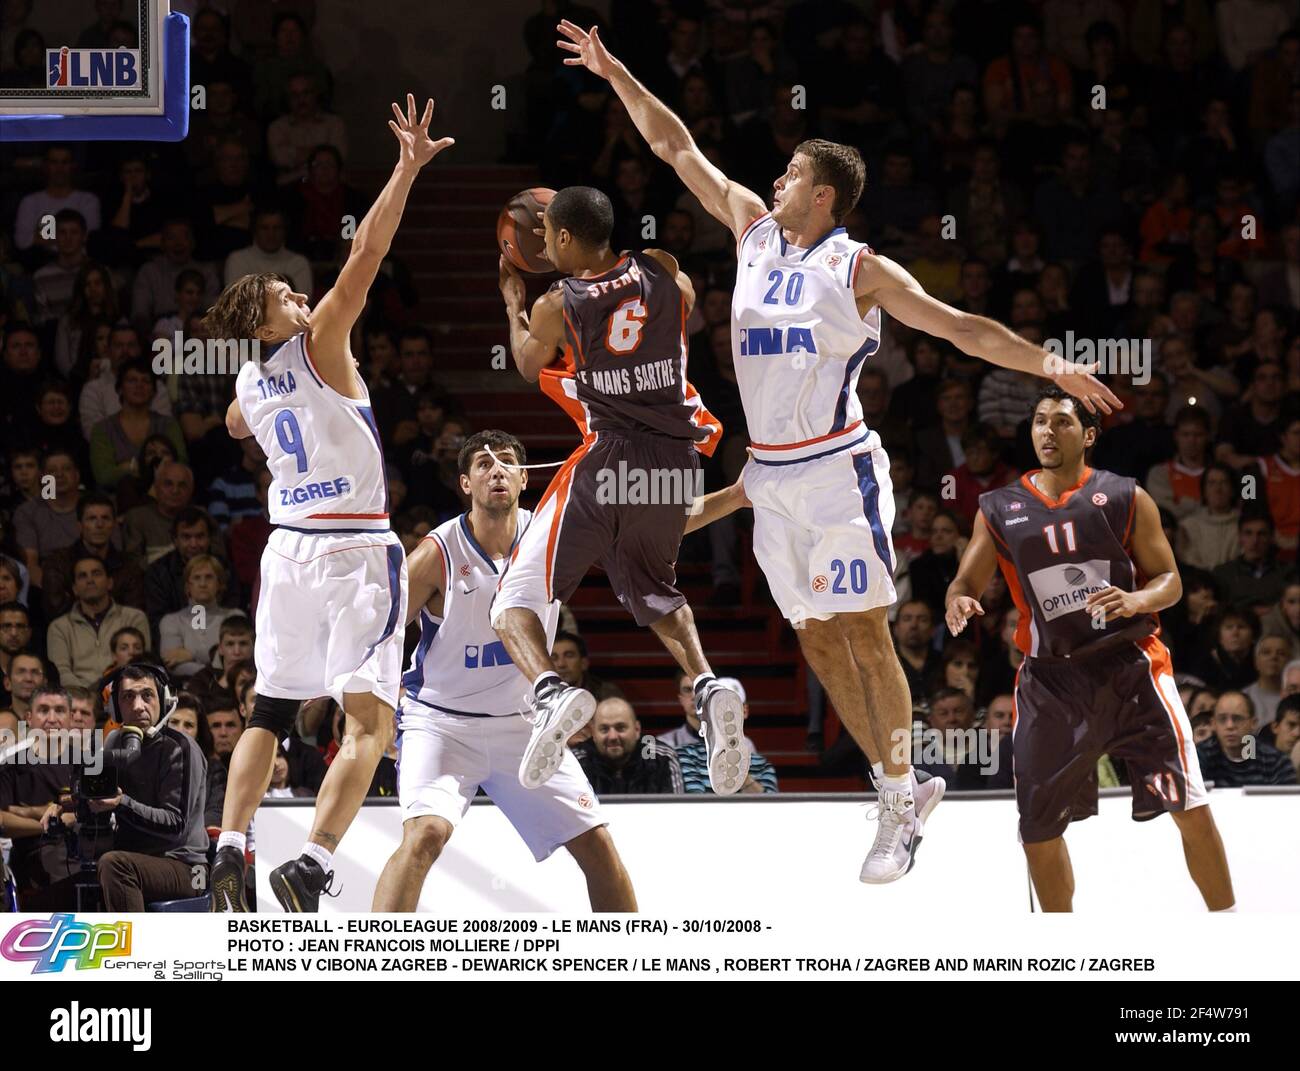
833, 261
819, 583
586, 802
1100, 499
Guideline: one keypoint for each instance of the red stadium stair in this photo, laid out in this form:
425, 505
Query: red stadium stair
448, 241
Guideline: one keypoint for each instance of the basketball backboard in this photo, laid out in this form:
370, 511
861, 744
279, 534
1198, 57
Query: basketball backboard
93, 70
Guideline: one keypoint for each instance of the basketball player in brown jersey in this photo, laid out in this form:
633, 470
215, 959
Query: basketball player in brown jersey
1089, 567
608, 344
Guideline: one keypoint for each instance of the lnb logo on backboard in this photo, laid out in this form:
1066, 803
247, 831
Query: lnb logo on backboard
55, 942
92, 68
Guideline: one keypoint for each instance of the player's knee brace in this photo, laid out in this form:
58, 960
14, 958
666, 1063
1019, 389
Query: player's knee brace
277, 715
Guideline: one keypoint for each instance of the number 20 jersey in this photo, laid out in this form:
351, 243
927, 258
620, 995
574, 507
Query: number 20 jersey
322, 449
799, 342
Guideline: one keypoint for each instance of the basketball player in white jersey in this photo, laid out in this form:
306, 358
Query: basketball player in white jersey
332, 607
806, 314
462, 724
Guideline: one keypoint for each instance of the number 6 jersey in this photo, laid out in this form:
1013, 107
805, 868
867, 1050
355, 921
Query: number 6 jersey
322, 449
624, 362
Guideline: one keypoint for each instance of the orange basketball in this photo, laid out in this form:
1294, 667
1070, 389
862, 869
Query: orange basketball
515, 226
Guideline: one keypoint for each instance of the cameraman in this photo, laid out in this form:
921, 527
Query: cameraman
160, 848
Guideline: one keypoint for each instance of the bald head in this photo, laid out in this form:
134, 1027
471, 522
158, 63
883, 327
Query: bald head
615, 731
173, 486
1234, 718
174, 470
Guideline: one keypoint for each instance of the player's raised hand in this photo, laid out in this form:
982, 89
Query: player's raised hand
416, 147
587, 48
960, 610
511, 284
1078, 380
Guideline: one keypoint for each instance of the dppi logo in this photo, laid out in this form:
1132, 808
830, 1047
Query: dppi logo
92, 68
54, 942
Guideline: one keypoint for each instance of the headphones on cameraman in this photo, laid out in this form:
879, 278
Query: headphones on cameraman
166, 697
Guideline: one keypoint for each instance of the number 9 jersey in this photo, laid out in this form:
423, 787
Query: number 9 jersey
332, 602
322, 448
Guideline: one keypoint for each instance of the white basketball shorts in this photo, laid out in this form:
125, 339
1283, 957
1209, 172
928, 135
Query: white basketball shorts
821, 530
443, 760
331, 615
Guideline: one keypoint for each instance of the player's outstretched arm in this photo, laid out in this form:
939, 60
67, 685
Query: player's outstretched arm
332, 320
727, 201
425, 570
1155, 560
535, 340
973, 575
892, 287
716, 505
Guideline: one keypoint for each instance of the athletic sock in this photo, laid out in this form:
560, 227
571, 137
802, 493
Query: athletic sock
877, 772
900, 784
545, 681
702, 681
321, 855
1224, 910
231, 839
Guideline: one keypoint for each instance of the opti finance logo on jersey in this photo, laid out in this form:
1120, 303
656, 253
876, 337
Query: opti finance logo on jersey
92, 68
53, 943
1065, 588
